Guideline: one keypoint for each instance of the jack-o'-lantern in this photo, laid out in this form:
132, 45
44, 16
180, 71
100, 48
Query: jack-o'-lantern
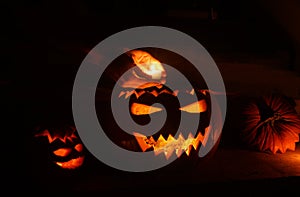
164, 142
65, 148
143, 87
271, 124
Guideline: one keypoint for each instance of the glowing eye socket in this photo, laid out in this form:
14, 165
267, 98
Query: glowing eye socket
79, 147
142, 109
196, 107
62, 152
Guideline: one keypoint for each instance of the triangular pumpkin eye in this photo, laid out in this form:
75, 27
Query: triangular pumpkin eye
196, 107
79, 147
142, 109
62, 152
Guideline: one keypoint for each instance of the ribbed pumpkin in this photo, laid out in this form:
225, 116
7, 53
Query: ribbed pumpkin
271, 124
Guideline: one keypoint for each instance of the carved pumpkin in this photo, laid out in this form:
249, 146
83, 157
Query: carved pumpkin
65, 148
163, 141
151, 89
271, 124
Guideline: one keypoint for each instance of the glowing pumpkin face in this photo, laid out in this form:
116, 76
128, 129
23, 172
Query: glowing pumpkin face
66, 149
150, 76
163, 141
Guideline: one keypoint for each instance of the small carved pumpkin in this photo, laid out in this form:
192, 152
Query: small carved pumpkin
65, 148
271, 124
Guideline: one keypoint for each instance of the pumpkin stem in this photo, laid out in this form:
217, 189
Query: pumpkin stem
272, 119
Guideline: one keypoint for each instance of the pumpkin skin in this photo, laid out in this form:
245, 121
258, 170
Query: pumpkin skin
189, 159
147, 96
65, 148
271, 124
168, 99
153, 90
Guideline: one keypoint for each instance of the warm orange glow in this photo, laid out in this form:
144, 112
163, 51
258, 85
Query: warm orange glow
148, 64
147, 69
141, 109
153, 92
79, 147
54, 137
151, 84
170, 145
71, 164
196, 107
275, 132
62, 152
192, 92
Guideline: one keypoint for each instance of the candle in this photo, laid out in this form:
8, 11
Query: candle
156, 74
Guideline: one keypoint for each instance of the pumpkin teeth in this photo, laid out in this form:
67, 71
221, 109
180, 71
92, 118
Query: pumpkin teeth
170, 145
51, 138
127, 94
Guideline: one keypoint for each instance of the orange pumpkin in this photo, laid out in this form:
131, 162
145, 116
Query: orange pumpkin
271, 124
162, 143
152, 89
65, 148
141, 108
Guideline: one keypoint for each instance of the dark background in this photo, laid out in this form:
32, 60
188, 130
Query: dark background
44, 42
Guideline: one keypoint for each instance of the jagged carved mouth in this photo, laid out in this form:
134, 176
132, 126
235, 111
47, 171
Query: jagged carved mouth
71, 164
171, 145
163, 142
